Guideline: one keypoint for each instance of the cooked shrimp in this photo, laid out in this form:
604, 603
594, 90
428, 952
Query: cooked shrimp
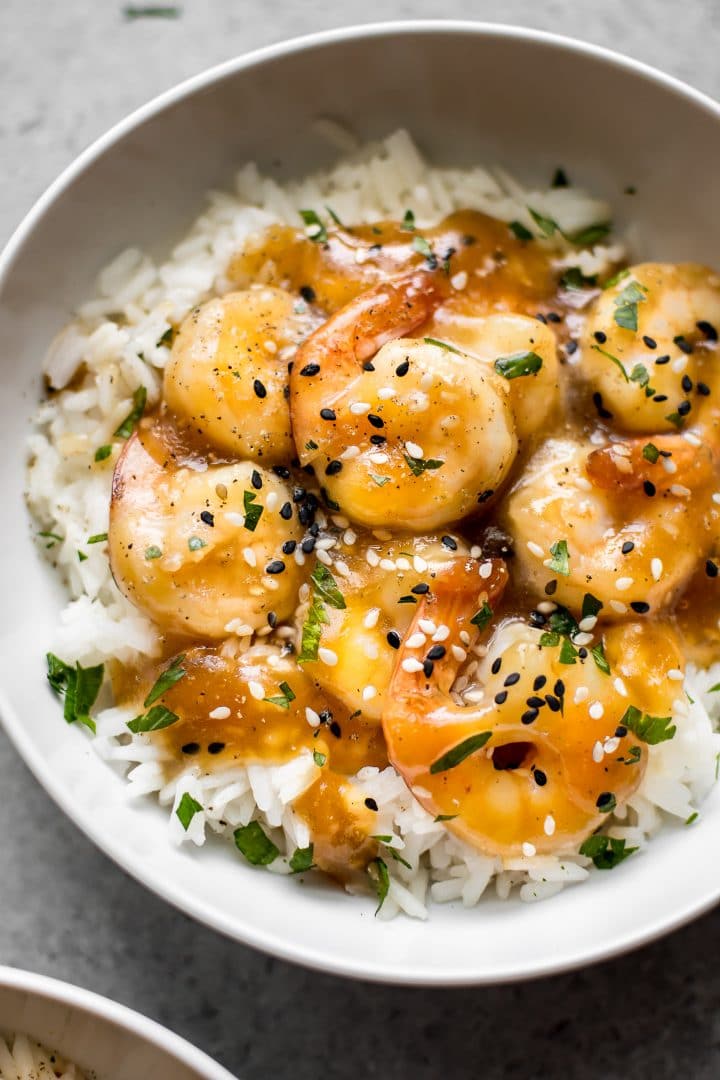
201, 552
381, 584
228, 372
411, 436
610, 522
535, 397
541, 758
649, 345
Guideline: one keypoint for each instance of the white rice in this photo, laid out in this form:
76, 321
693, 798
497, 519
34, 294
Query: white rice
23, 1059
116, 336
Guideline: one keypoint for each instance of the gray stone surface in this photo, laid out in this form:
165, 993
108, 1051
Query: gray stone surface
68, 71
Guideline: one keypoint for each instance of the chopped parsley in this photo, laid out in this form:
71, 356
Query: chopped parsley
78, 685
616, 278
573, 278
626, 305
155, 719
319, 758
598, 655
282, 700
380, 877
618, 364
326, 587
325, 591
445, 817
98, 538
408, 221
482, 617
103, 452
591, 606
693, 817
253, 510
172, 674
153, 552
187, 809
334, 216
381, 481
128, 425
634, 755
546, 225
606, 852
302, 859
422, 247
518, 364
568, 652
195, 543
252, 842
314, 227
458, 753
649, 729
421, 465
520, 231
560, 561
650, 452
442, 345
166, 339
549, 639
589, 236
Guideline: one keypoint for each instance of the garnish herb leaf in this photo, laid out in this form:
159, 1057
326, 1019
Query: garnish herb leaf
420, 465
649, 729
589, 236
626, 305
573, 278
326, 587
520, 231
442, 345
640, 374
172, 674
408, 221
381, 481
98, 538
560, 562
693, 817
155, 719
128, 425
568, 652
80, 687
620, 366
253, 510
252, 842
549, 639
302, 859
650, 452
195, 543
153, 552
518, 364
103, 452
319, 758
482, 617
422, 247
458, 753
380, 877
314, 227
445, 817
311, 633
334, 216
616, 278
634, 755
598, 655
283, 700
187, 808
606, 851
591, 606
546, 225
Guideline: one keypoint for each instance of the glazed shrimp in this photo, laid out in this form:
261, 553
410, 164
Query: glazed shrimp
534, 398
381, 584
660, 374
228, 372
402, 433
201, 552
541, 758
633, 529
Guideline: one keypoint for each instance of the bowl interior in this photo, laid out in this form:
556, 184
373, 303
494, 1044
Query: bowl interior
469, 95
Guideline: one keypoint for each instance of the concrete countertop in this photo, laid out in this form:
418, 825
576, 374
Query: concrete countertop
67, 72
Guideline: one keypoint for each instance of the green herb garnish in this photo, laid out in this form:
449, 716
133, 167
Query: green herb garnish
442, 345
408, 221
573, 278
252, 842
518, 364
549, 639
196, 542
283, 700
78, 685
650, 452
334, 216
609, 356
568, 652
128, 425
605, 851
445, 817
420, 465
626, 305
546, 225
153, 552
172, 674
560, 561
649, 729
590, 235
520, 231
154, 11
319, 758
98, 538
314, 227
458, 753
253, 510
591, 606
422, 247
482, 617
326, 587
103, 452
187, 809
166, 338
693, 817
598, 655
381, 880
302, 859
621, 274
381, 481
155, 719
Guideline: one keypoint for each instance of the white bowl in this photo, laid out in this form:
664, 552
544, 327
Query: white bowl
469, 93
105, 1039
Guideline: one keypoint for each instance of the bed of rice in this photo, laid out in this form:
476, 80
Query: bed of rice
23, 1059
116, 335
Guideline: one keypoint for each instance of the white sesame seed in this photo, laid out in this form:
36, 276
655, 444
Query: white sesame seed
581, 694
371, 618
414, 450
583, 483
323, 557
459, 280
312, 717
474, 697
680, 490
624, 583
416, 641
528, 849
464, 635
221, 713
369, 692
588, 623
535, 549
378, 458
385, 392
327, 656
272, 500
427, 626
402, 563
411, 665
669, 465
486, 570
325, 543
459, 653
358, 408
249, 556
342, 568
419, 564
693, 439
618, 607
235, 519
716, 498
549, 825
596, 710
303, 592
350, 453
598, 753
675, 675
299, 557
387, 564
256, 689
582, 638
611, 745
620, 687
656, 568
349, 537
546, 607
372, 557
679, 364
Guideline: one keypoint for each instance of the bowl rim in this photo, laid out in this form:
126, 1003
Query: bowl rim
373, 969
104, 1008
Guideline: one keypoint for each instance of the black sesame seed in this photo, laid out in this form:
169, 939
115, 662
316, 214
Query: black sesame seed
604, 799
649, 488
540, 777
707, 329
703, 388
683, 345
275, 567
190, 748
551, 587
553, 317
282, 471
215, 747
571, 347
501, 698
308, 293
393, 639
327, 414
368, 366
314, 529
420, 589
259, 389
428, 668
256, 480
529, 716
377, 440
289, 546
310, 369
299, 494
711, 568
272, 619
496, 665
602, 412
540, 681
286, 511
375, 420
662, 359
660, 398
308, 545
436, 652
333, 468
600, 337
535, 702
403, 368
640, 607
582, 652
371, 804
449, 542
686, 383
684, 408
620, 731
485, 495
552, 703
536, 618
650, 342
559, 688
512, 678
541, 318
335, 729
208, 518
